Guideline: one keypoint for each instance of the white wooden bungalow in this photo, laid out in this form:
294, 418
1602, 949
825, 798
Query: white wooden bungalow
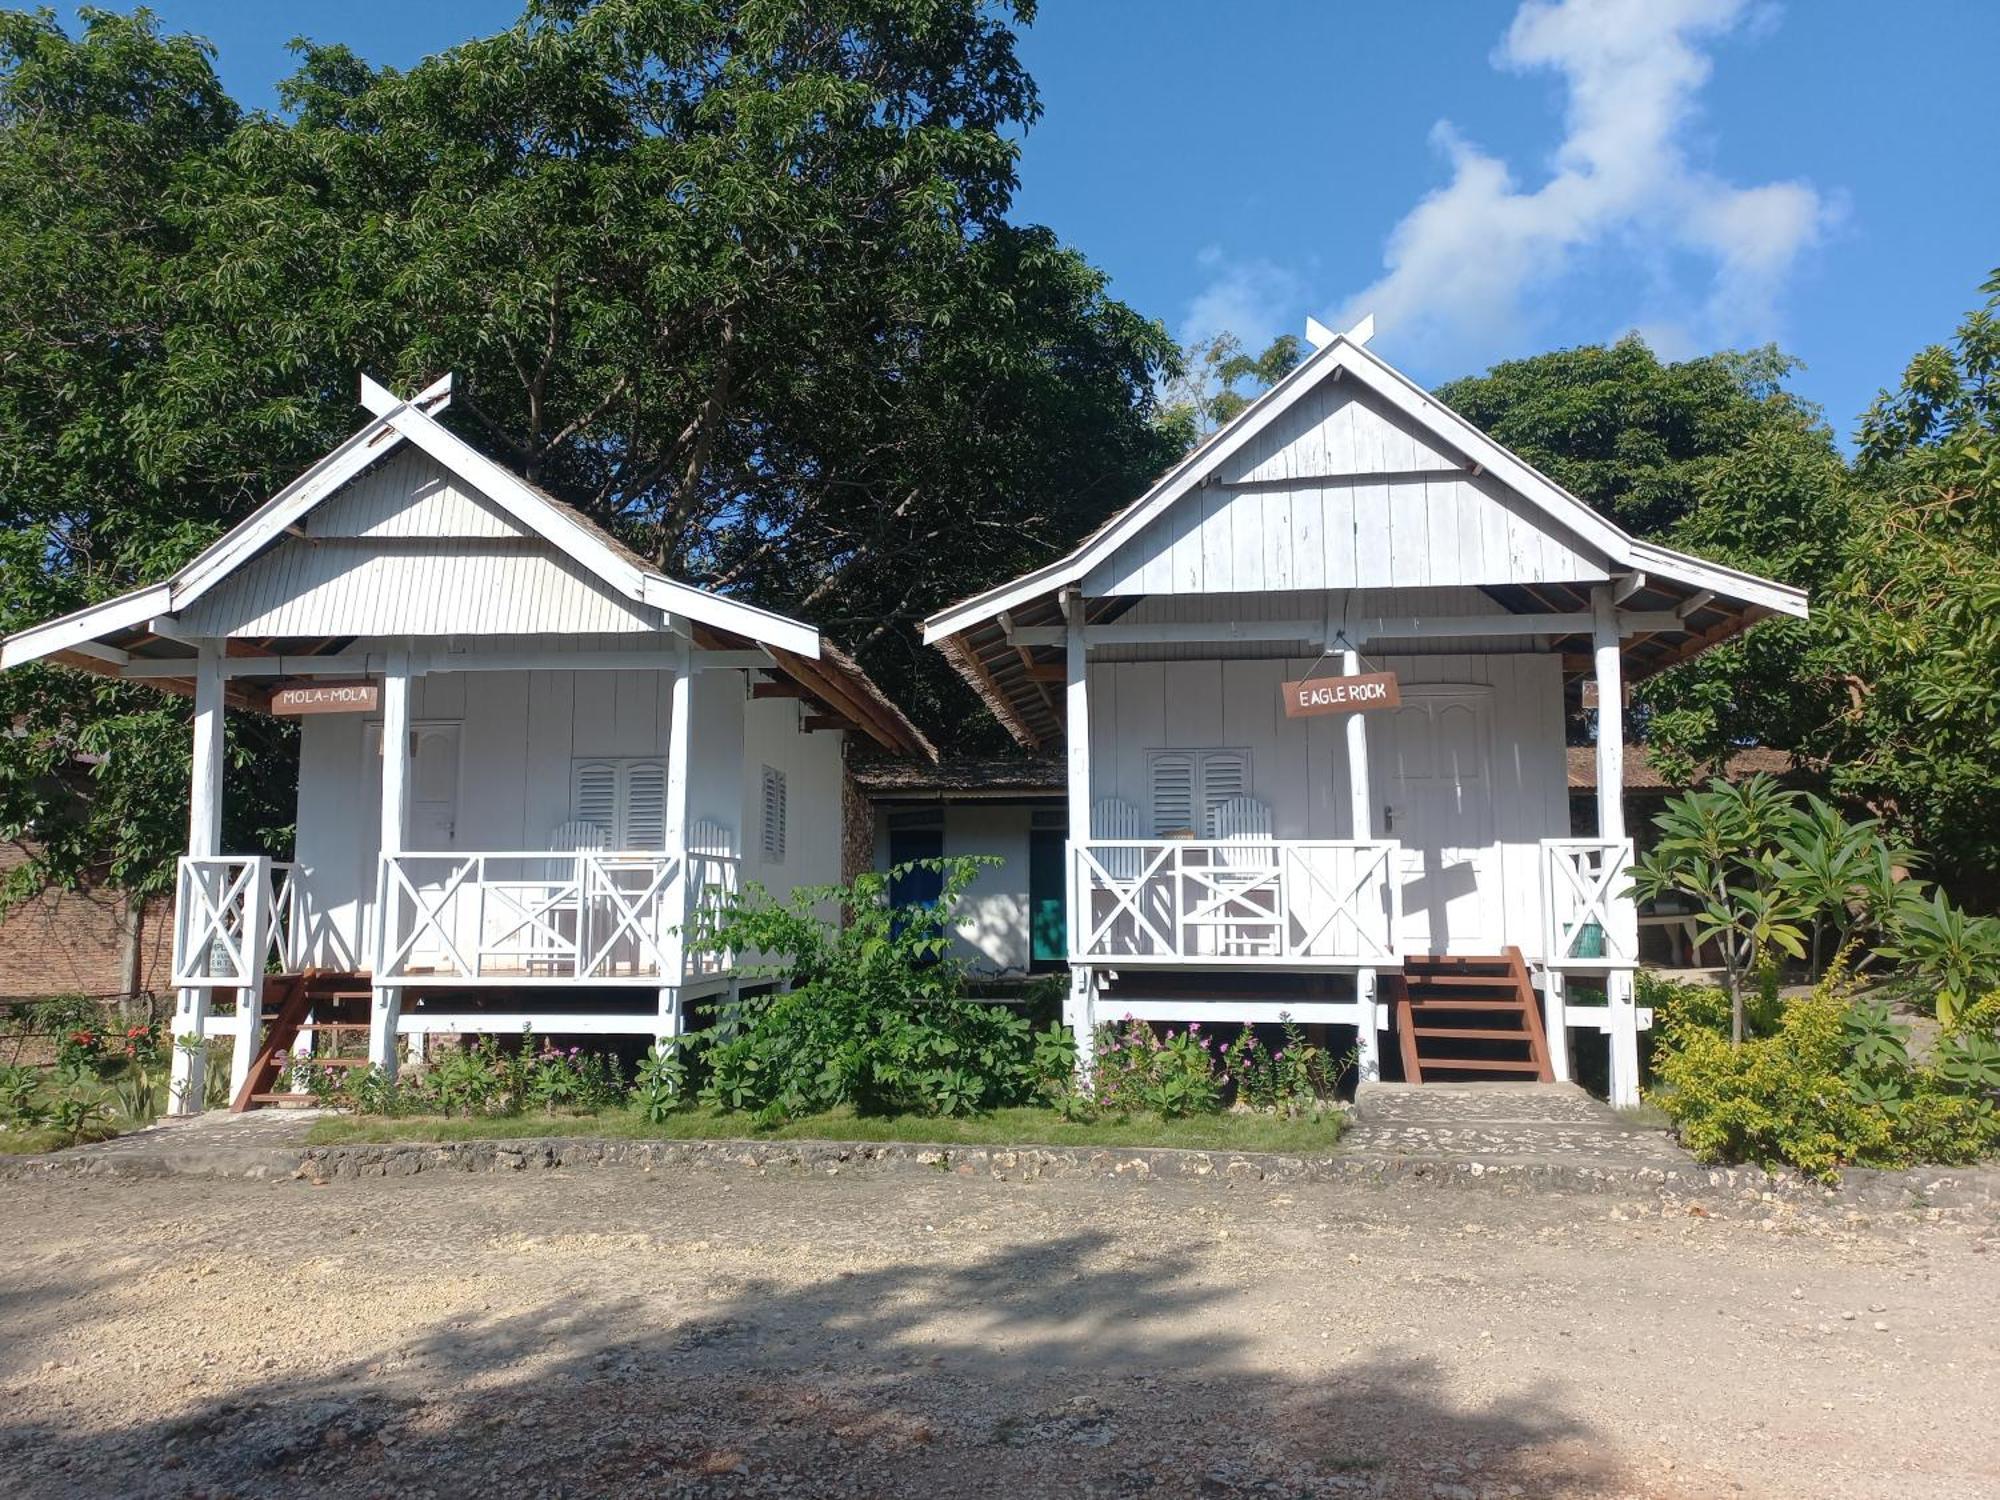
1410, 867
530, 761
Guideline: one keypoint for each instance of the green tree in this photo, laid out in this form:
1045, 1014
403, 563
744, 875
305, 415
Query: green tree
1911, 632
1710, 455
738, 279
1205, 394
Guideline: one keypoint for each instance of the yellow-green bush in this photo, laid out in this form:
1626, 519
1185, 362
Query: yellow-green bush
1831, 1087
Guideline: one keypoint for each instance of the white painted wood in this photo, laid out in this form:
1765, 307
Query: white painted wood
1301, 767
186, 1072
205, 784
680, 741
1246, 1012
1610, 720
1361, 627
392, 828
410, 495
250, 995
438, 586
543, 1022
1534, 502
1434, 788
1555, 1023
1623, 1031
1286, 903
1361, 818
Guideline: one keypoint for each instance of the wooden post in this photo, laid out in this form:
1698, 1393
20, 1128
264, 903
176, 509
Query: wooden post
186, 1076
1622, 1029
1368, 1033
1080, 1012
394, 831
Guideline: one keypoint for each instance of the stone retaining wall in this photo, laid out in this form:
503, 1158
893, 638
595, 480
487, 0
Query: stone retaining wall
323, 1164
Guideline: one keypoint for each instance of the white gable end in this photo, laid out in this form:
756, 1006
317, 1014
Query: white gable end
1340, 492
1336, 428
410, 494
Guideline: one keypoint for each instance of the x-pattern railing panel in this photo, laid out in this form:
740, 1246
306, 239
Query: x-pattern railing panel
1584, 888
1250, 900
222, 903
550, 915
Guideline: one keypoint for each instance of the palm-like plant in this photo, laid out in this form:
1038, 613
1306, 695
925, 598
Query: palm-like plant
1951, 952
1719, 849
1835, 867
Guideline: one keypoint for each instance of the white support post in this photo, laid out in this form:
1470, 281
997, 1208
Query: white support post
395, 829
186, 1079
1555, 999
1368, 1034
680, 739
1622, 1031
1080, 1013
250, 997
671, 1019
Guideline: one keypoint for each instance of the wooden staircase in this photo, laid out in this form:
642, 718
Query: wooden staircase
329, 1008
1461, 1018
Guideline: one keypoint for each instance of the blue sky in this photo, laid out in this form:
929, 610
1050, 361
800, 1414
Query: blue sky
1490, 179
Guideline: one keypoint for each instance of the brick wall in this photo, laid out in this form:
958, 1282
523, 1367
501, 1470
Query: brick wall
73, 942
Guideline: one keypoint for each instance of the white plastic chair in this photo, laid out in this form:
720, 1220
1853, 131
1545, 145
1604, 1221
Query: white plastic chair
1115, 818
1249, 892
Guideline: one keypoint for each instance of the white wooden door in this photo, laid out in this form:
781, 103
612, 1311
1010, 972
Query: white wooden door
1431, 764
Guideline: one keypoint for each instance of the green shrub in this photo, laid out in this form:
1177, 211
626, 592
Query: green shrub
1138, 1070
1831, 1086
875, 1017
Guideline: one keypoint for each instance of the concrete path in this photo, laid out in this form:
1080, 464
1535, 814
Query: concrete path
1504, 1123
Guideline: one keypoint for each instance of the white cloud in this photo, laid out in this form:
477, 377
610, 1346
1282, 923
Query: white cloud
1481, 261
1254, 299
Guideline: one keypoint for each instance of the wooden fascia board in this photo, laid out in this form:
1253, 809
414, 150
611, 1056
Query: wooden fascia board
959, 652
849, 702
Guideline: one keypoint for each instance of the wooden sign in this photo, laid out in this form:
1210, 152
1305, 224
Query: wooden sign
328, 698
1341, 695
1590, 693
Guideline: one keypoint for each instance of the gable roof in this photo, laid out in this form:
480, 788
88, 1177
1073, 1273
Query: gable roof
1718, 601
101, 637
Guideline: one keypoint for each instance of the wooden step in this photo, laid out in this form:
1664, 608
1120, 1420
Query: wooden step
1441, 988
283, 1099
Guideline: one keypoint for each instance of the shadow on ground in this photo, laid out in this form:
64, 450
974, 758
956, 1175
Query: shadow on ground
1031, 1371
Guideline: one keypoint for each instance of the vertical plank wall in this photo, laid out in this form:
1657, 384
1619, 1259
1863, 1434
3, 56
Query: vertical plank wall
1299, 766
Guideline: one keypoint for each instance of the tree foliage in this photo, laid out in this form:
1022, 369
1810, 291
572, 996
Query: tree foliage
737, 277
1912, 631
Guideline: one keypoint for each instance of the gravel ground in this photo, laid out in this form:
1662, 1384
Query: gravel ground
901, 1335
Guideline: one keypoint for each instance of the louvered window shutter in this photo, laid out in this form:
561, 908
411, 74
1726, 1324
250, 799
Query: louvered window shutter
1173, 794
774, 816
596, 798
645, 806
1224, 774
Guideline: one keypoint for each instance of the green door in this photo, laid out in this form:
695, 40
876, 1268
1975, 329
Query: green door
1047, 897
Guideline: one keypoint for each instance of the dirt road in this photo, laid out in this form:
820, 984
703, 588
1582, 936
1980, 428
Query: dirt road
714, 1334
